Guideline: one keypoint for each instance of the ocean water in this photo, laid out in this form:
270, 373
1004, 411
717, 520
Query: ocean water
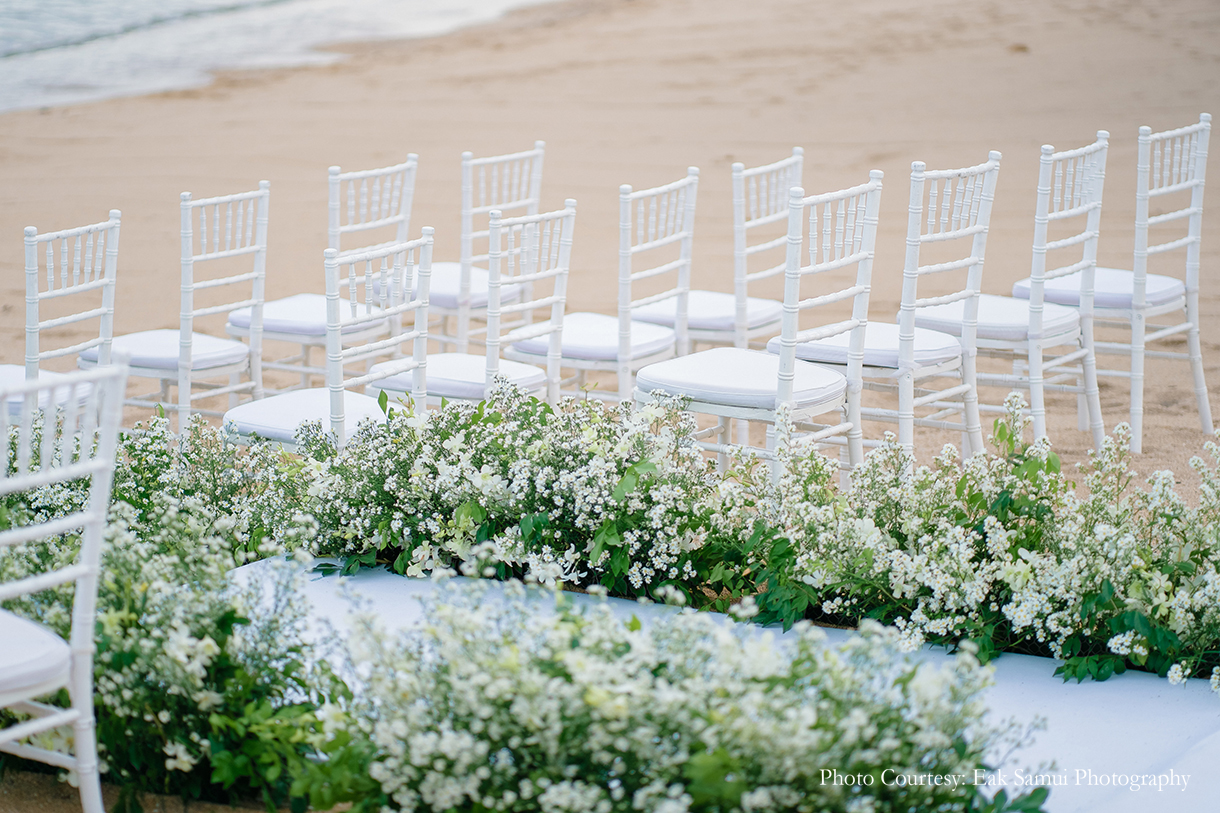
55, 52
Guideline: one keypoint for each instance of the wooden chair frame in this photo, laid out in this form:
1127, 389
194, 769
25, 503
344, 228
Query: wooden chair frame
505, 183
1168, 163
95, 251
243, 234
945, 206
357, 202
378, 284
1070, 185
760, 198
525, 251
649, 220
83, 445
842, 231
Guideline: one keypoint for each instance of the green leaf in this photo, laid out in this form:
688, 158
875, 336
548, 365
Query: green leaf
714, 780
383, 401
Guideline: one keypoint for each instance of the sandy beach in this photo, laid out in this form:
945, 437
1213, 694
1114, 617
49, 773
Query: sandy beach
633, 91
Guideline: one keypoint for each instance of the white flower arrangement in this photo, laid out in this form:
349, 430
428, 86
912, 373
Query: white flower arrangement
498, 704
1001, 550
581, 493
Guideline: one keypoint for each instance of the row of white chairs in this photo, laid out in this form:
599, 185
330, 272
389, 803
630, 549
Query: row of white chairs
935, 338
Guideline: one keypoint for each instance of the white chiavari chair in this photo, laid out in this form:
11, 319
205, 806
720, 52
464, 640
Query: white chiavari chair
656, 224
378, 284
1171, 169
42, 448
534, 253
509, 184
223, 235
760, 200
949, 213
832, 231
365, 205
78, 267
1070, 185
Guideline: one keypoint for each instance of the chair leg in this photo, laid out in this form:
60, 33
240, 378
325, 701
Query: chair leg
855, 435
1196, 363
974, 423
743, 432
85, 745
772, 447
1138, 326
1096, 424
972, 438
1093, 397
233, 379
906, 411
80, 691
184, 402
624, 382
1037, 396
305, 364
724, 434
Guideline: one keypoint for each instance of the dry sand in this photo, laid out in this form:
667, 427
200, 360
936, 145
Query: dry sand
633, 91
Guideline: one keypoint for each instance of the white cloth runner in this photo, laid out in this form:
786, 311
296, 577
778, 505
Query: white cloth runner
1132, 724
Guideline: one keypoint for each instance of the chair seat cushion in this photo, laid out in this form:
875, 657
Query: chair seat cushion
278, 417
711, 310
447, 278
1112, 288
158, 349
13, 374
462, 375
1001, 318
735, 377
301, 315
880, 347
594, 337
30, 655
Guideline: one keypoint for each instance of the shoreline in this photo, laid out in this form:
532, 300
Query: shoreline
188, 49
635, 92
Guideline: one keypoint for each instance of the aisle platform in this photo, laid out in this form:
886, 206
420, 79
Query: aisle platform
1131, 724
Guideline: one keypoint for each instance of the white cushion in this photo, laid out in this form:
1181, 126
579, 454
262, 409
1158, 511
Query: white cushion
278, 417
158, 349
1112, 288
1000, 317
736, 377
594, 337
711, 310
462, 375
13, 374
30, 655
446, 280
880, 347
302, 314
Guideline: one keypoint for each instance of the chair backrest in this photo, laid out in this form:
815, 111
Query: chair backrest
656, 223
527, 251
826, 233
45, 447
760, 199
1070, 185
378, 283
950, 209
223, 230
371, 199
1170, 163
510, 184
77, 261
